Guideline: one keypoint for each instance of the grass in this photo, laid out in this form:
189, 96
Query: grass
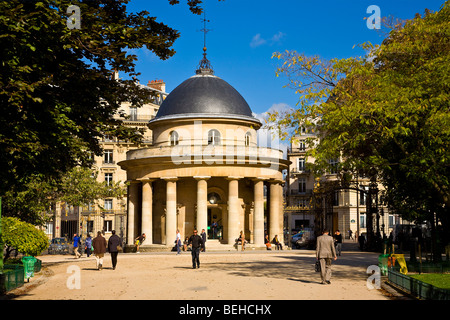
438, 280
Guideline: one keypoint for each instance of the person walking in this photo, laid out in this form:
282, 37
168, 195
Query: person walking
138, 241
338, 242
325, 251
113, 244
203, 235
178, 242
99, 243
76, 245
88, 245
197, 244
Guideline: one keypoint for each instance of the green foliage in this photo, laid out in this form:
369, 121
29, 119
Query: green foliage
22, 236
57, 96
387, 111
439, 280
31, 202
80, 188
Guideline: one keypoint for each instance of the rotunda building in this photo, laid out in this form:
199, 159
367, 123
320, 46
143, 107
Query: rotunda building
204, 170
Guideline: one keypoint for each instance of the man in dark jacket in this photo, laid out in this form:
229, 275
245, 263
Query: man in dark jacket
99, 244
197, 244
113, 243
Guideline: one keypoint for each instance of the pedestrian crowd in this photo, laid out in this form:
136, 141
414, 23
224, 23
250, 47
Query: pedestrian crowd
327, 248
98, 246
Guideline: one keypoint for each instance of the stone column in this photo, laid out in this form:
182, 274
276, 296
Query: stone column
274, 220
171, 210
133, 208
202, 204
258, 215
281, 213
233, 209
147, 210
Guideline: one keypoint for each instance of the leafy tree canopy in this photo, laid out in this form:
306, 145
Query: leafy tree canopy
78, 187
57, 96
387, 111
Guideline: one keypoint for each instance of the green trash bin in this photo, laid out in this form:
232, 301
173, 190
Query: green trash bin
383, 263
28, 265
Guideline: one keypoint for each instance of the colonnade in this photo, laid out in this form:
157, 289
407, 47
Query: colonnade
145, 203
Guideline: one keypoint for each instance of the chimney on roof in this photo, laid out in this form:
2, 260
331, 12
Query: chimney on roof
157, 84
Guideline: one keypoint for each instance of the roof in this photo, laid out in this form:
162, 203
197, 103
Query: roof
204, 95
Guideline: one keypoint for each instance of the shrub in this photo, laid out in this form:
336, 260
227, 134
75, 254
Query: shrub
23, 237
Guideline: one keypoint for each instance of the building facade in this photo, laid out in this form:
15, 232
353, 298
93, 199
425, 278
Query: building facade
110, 213
322, 203
204, 170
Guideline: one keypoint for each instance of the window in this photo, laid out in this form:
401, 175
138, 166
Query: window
133, 113
302, 145
49, 228
173, 138
214, 137
336, 198
108, 204
108, 178
107, 225
301, 164
108, 138
302, 203
363, 195
302, 185
334, 165
391, 221
90, 226
108, 156
362, 220
91, 207
248, 138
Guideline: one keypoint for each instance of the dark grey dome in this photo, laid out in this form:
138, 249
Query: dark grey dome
204, 94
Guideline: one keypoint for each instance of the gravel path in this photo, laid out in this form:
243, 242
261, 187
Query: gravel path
249, 275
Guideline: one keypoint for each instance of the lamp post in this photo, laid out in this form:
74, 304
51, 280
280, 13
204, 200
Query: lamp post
372, 208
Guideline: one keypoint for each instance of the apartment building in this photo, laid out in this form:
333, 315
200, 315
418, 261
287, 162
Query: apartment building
322, 202
110, 213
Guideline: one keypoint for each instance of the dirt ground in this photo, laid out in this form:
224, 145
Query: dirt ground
248, 275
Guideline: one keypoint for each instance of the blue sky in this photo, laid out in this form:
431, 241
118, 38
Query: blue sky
245, 33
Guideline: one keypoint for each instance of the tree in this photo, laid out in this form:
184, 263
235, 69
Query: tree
23, 237
387, 111
78, 187
81, 188
32, 201
57, 96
